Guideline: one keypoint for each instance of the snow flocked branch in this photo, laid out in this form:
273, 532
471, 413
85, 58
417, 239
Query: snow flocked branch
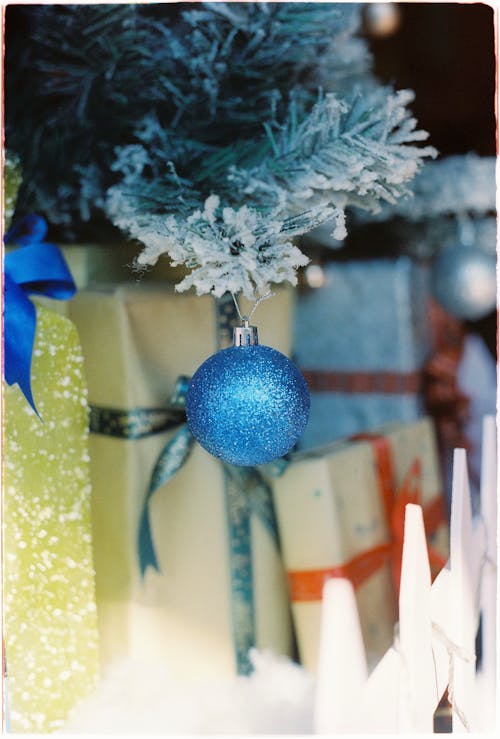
300, 175
226, 249
453, 200
81, 77
451, 186
199, 130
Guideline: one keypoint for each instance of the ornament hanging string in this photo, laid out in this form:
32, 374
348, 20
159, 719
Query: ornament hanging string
246, 319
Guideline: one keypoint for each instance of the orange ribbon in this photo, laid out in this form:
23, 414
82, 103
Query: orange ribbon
307, 585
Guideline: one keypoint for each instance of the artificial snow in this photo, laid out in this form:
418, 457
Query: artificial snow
142, 697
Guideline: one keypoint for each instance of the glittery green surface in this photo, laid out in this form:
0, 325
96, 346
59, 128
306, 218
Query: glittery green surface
11, 182
50, 627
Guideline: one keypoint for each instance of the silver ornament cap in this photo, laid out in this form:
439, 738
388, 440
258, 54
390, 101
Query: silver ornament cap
245, 335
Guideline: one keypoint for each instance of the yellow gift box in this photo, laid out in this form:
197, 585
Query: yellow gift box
92, 264
194, 613
340, 512
50, 634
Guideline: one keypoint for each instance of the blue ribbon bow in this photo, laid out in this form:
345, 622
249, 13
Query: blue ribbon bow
37, 267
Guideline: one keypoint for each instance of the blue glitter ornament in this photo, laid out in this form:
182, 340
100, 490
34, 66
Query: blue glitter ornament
247, 404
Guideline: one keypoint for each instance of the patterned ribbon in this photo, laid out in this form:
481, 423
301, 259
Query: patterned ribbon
170, 461
137, 423
246, 491
35, 268
307, 585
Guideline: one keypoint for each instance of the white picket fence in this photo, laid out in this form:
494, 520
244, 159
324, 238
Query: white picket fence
434, 649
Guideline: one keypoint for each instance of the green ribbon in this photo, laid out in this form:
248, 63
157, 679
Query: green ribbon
171, 459
246, 491
140, 423
137, 423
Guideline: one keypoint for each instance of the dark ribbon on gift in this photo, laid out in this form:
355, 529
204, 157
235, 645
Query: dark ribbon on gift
37, 267
386, 383
170, 461
445, 402
134, 424
140, 423
247, 492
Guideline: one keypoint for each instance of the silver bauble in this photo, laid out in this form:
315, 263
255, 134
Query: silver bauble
463, 281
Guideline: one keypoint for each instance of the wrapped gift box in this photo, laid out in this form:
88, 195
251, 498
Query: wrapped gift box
340, 512
51, 641
220, 585
361, 341
92, 264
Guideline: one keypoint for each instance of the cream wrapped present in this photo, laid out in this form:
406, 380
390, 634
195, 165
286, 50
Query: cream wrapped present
50, 620
220, 586
340, 512
92, 264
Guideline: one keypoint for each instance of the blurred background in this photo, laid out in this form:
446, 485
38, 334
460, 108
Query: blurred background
445, 52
